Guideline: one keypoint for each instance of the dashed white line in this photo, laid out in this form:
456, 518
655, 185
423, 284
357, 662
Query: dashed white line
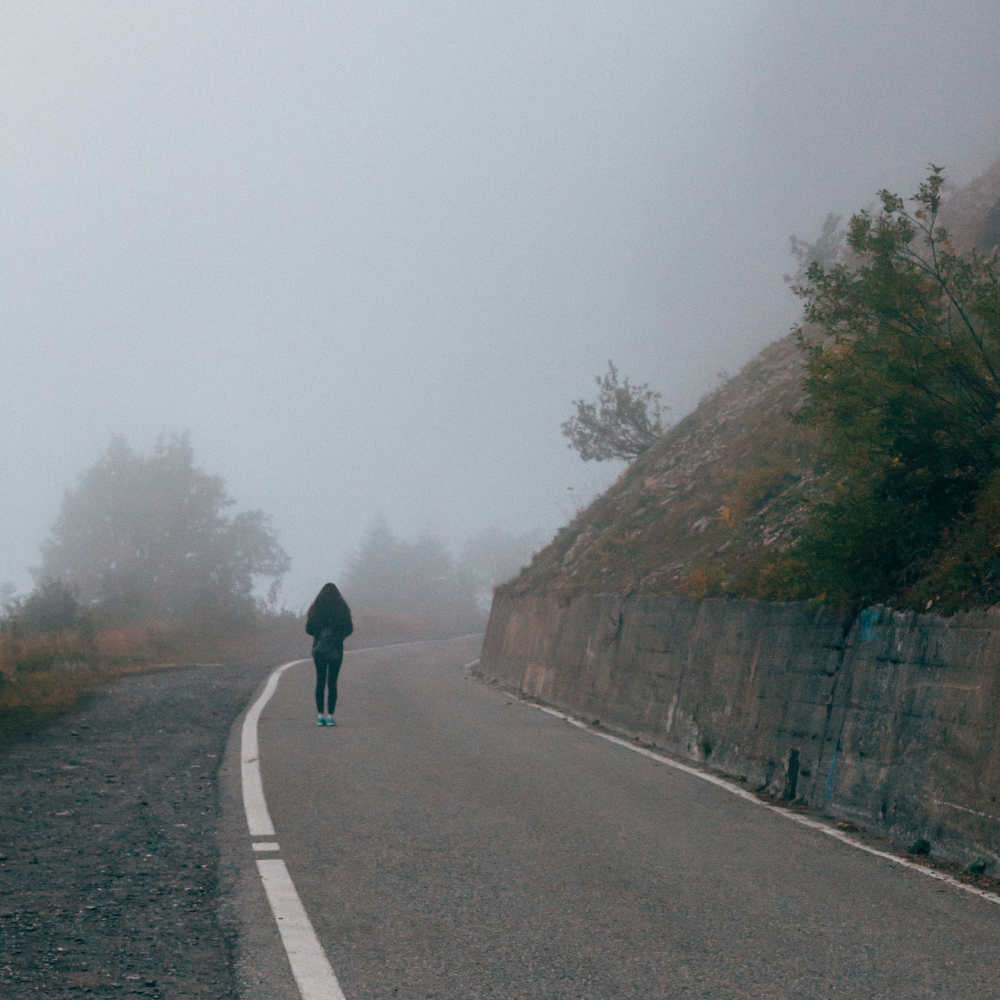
313, 973
254, 803
311, 969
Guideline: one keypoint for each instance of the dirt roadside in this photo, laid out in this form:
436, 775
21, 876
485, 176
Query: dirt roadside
108, 853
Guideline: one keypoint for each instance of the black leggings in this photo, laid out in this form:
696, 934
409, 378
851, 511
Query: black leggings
327, 670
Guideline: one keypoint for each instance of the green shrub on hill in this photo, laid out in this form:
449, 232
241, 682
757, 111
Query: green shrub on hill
857, 463
904, 385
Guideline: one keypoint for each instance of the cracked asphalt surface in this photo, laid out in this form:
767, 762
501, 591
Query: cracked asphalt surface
108, 880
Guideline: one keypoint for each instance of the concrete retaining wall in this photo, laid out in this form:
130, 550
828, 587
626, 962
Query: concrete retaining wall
891, 720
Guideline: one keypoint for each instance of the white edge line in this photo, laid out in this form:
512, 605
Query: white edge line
254, 803
312, 971
811, 824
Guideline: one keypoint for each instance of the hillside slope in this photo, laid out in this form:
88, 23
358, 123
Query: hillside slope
730, 472
701, 512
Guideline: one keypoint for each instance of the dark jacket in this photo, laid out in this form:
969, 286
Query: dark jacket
329, 622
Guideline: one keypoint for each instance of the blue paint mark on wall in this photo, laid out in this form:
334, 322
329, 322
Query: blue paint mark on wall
869, 623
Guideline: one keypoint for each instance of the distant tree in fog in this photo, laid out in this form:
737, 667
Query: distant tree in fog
492, 556
148, 537
418, 578
829, 248
50, 607
623, 423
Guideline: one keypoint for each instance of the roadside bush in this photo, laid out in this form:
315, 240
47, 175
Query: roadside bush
46, 651
904, 384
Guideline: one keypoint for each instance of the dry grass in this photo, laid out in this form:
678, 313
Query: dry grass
43, 675
32, 698
697, 514
40, 675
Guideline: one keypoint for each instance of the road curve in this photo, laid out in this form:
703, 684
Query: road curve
449, 842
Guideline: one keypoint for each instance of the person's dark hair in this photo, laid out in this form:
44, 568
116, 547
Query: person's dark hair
329, 610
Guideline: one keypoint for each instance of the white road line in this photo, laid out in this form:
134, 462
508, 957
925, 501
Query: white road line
734, 789
254, 803
310, 967
313, 973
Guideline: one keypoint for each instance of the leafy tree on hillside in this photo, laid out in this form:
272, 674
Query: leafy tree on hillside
147, 537
624, 421
905, 385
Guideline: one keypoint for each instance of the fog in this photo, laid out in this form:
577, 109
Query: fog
369, 253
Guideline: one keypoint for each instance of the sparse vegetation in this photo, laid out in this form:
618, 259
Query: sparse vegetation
625, 421
696, 497
865, 470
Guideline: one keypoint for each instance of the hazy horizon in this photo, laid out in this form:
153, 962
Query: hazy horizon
369, 256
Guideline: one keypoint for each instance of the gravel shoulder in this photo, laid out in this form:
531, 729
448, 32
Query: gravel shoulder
109, 859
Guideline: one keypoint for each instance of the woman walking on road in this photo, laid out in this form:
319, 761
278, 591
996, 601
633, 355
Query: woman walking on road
328, 621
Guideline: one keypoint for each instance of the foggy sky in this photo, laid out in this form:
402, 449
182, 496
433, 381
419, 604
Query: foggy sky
368, 253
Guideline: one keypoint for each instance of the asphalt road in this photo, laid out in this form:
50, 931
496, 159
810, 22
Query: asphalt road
450, 842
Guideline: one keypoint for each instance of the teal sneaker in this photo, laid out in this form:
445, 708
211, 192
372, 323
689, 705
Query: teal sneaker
320, 721
329, 721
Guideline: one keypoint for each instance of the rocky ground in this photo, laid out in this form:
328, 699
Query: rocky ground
108, 854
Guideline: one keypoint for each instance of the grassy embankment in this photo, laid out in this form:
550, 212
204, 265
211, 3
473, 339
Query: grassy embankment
858, 466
